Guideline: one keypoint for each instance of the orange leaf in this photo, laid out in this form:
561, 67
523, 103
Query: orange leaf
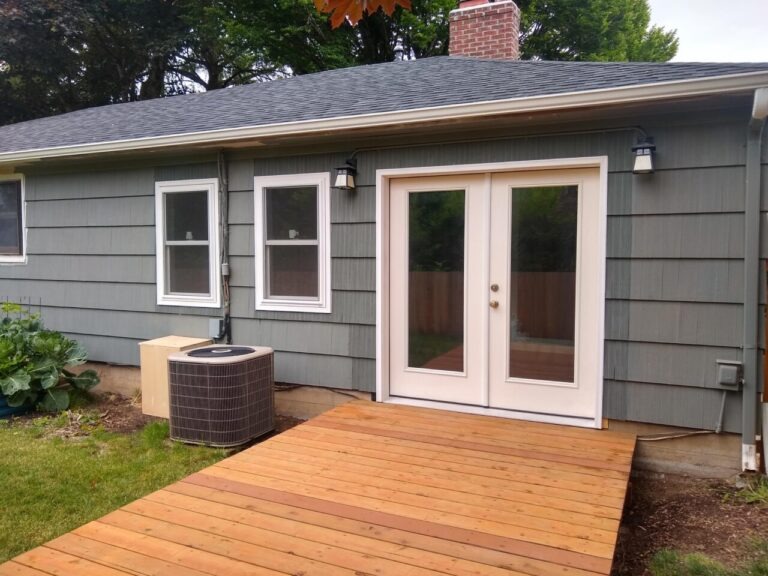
352, 10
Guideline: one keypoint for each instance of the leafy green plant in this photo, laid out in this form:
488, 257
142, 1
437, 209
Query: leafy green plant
34, 362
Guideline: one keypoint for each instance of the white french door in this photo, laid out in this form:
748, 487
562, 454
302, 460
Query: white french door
438, 336
495, 290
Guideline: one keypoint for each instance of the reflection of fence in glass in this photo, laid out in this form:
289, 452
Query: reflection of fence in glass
436, 280
436, 302
542, 325
436, 320
543, 305
542, 283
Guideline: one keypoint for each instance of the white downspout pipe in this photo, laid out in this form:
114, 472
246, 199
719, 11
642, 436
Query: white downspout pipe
752, 279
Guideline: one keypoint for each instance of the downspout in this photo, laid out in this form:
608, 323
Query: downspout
223, 174
752, 279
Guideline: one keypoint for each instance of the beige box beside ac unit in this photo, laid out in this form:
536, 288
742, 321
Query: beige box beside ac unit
154, 370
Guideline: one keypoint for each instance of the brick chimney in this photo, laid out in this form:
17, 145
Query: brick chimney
485, 29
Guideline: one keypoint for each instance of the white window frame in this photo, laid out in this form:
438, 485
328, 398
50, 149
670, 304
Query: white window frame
323, 303
18, 258
211, 187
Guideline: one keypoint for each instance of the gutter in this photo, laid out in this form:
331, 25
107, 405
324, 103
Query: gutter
569, 100
752, 205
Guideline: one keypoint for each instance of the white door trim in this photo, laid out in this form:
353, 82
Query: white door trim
383, 177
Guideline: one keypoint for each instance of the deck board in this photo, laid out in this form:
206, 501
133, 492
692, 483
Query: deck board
373, 489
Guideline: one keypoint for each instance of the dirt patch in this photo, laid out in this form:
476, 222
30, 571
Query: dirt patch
103, 411
688, 515
113, 413
120, 414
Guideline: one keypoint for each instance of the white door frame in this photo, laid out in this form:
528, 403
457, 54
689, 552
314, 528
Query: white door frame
383, 177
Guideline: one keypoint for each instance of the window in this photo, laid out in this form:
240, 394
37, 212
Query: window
187, 227
293, 261
12, 232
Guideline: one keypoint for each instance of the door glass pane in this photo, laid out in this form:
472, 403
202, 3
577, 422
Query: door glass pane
186, 216
436, 280
542, 296
188, 270
292, 271
292, 213
10, 218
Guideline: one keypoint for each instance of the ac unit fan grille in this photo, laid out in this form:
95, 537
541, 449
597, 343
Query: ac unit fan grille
221, 404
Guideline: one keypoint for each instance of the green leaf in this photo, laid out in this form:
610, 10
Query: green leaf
42, 365
22, 398
86, 380
50, 378
55, 400
76, 354
14, 383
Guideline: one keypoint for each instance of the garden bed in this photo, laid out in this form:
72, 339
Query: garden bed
691, 516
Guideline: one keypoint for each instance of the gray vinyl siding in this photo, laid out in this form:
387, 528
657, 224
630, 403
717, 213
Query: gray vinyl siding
674, 284
91, 264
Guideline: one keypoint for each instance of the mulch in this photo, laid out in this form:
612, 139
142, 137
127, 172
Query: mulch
688, 515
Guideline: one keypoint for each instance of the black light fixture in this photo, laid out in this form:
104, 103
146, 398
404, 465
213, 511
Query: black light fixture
345, 175
644, 151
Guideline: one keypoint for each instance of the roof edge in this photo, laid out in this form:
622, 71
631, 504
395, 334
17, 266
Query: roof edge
603, 96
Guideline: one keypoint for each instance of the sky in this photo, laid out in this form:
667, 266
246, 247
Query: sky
716, 31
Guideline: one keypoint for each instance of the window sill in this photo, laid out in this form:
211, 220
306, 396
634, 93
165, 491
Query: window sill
189, 301
13, 260
293, 306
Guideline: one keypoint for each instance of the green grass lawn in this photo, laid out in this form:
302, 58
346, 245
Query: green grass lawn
672, 563
50, 485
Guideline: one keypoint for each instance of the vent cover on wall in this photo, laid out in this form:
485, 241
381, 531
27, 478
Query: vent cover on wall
221, 395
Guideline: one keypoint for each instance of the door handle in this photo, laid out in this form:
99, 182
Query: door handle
494, 304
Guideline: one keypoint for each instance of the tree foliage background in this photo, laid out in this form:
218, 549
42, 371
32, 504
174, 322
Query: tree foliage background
62, 55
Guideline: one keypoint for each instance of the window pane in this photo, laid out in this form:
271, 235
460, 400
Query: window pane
436, 280
292, 213
543, 283
188, 269
292, 271
186, 216
10, 218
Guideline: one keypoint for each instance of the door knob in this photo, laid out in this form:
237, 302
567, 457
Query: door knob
494, 287
494, 304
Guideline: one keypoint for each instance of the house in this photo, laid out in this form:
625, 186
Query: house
490, 247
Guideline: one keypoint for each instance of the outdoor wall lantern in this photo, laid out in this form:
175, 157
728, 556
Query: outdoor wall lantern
644, 151
345, 175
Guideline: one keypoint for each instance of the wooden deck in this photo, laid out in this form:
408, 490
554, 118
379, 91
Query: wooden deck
373, 489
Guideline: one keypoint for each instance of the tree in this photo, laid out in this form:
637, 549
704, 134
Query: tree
290, 37
593, 30
63, 55
421, 32
587, 30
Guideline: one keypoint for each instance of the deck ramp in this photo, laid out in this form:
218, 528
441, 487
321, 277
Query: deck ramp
375, 489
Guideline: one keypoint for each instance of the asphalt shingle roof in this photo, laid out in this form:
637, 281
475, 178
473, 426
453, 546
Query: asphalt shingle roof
389, 87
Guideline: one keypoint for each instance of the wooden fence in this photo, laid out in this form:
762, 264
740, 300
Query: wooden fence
545, 303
